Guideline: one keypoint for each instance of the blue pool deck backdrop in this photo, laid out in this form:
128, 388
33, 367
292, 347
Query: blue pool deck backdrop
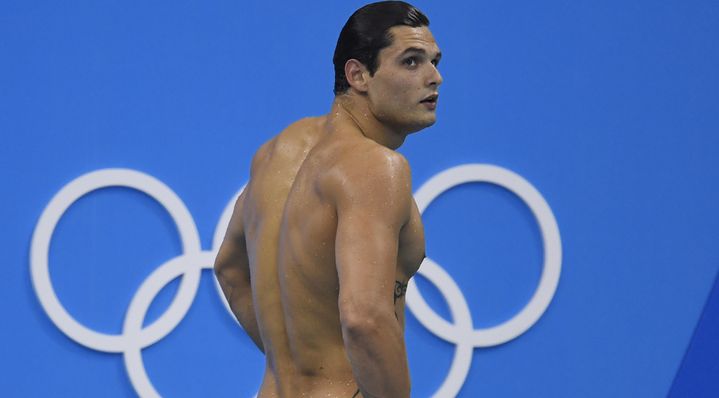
569, 190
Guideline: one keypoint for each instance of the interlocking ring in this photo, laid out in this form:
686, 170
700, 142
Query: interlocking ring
462, 333
190, 263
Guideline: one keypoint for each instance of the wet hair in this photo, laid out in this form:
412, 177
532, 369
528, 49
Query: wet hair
367, 32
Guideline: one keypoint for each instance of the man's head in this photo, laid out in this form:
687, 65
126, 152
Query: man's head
386, 54
367, 31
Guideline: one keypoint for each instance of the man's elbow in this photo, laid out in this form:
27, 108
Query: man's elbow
365, 321
227, 273
220, 267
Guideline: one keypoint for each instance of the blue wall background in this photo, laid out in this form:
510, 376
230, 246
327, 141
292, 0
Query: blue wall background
610, 109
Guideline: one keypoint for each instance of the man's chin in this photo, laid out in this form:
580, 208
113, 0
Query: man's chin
429, 120
423, 125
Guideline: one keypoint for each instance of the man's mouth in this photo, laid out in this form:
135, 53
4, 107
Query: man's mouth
432, 99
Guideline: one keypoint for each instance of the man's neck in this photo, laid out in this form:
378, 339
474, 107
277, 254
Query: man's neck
357, 112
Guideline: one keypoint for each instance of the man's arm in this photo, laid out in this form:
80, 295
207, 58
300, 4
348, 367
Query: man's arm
372, 206
232, 268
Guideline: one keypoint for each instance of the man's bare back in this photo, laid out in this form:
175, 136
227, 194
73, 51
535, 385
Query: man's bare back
326, 235
305, 171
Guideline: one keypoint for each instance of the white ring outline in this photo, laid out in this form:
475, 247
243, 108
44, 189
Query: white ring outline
463, 333
132, 328
518, 324
460, 312
40, 250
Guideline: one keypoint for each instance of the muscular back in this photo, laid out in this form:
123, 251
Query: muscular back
289, 222
309, 253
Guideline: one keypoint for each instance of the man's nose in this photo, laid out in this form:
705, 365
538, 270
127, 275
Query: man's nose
435, 79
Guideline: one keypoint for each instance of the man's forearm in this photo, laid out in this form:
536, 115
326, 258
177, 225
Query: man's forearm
377, 353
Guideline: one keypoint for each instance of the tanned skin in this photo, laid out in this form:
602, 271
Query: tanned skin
326, 235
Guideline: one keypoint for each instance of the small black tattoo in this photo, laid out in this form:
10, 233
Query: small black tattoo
399, 290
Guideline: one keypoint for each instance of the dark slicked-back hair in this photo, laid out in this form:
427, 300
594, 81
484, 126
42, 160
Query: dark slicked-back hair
367, 32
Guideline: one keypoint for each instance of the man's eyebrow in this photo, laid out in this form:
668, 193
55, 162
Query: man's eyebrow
419, 50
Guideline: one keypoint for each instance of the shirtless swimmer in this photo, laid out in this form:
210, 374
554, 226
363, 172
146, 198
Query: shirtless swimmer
326, 235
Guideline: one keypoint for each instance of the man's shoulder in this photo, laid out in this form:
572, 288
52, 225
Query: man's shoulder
374, 161
292, 141
301, 130
370, 170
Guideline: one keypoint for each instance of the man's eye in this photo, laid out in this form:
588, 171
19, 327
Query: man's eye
411, 61
435, 62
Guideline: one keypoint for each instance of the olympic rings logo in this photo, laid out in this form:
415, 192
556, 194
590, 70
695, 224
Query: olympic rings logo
193, 259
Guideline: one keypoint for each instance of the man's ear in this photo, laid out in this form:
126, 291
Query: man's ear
357, 75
